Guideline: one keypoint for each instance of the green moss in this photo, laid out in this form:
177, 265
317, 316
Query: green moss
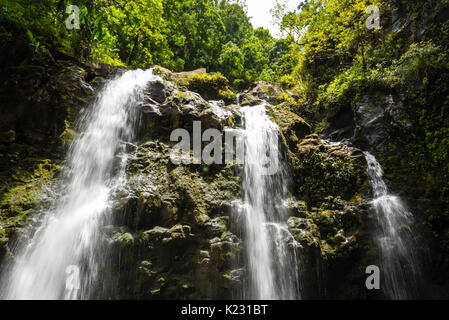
356, 198
212, 86
287, 81
158, 70
24, 191
323, 170
292, 127
128, 238
26, 188
184, 95
199, 82
68, 135
227, 95
285, 98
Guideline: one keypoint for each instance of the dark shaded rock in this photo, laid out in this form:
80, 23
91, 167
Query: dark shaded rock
325, 169
159, 91
178, 219
180, 109
342, 124
36, 102
334, 248
373, 119
376, 116
14, 44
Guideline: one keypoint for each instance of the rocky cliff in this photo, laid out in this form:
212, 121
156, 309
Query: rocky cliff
174, 233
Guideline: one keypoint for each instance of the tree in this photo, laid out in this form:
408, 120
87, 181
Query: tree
231, 60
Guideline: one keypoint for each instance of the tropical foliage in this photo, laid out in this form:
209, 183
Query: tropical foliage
177, 34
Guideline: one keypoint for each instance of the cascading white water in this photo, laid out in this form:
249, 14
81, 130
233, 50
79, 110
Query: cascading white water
271, 263
61, 259
395, 237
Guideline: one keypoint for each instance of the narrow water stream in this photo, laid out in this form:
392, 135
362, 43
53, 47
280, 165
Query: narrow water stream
395, 237
272, 264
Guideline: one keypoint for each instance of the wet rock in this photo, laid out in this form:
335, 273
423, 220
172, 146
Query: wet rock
293, 128
163, 72
177, 233
217, 226
296, 207
221, 251
330, 236
304, 231
159, 91
371, 121
250, 100
179, 110
185, 212
375, 118
259, 92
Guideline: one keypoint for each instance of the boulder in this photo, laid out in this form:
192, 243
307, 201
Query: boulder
293, 128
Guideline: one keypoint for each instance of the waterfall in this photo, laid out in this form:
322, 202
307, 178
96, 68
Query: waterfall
61, 259
270, 248
394, 237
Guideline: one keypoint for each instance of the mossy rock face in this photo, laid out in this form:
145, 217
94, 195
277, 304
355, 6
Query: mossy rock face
164, 73
334, 246
168, 107
293, 128
178, 218
265, 91
171, 223
325, 169
18, 200
328, 210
